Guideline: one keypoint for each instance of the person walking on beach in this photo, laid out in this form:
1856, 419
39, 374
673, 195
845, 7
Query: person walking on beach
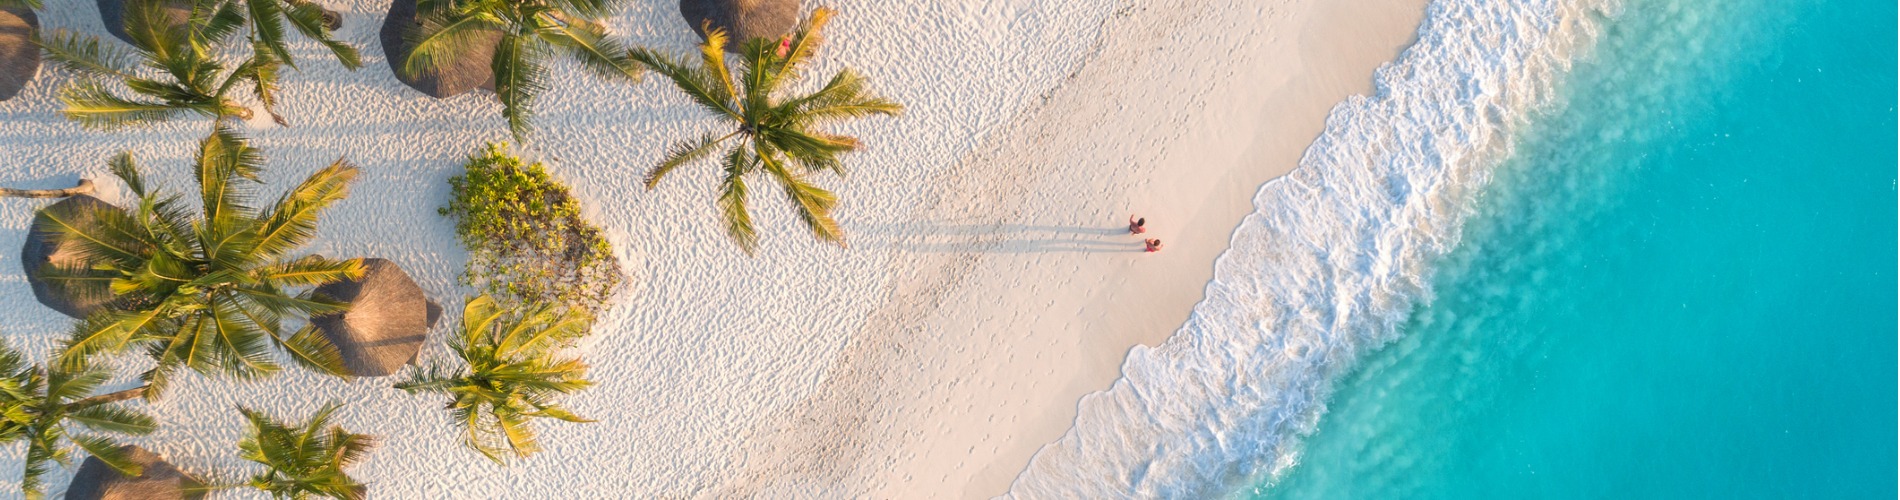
1154, 245
1137, 225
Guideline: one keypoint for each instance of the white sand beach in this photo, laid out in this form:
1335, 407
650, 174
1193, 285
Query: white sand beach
988, 286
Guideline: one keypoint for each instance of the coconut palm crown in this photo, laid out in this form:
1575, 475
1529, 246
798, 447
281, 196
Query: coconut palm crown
189, 78
211, 292
304, 460
512, 374
769, 134
531, 30
56, 411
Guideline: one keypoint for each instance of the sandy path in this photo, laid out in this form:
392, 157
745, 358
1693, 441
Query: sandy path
1018, 290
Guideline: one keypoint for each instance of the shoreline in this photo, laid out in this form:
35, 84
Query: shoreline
1043, 206
994, 207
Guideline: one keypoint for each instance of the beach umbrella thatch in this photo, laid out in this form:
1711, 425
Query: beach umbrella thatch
388, 319
160, 480
742, 20
112, 13
44, 252
471, 71
19, 57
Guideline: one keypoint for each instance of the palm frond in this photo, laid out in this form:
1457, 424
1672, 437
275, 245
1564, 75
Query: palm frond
518, 75
95, 107
479, 316
540, 331
732, 200
109, 452
842, 97
293, 220
307, 18
813, 204
38, 453
756, 59
697, 84
150, 28
222, 158
683, 153
590, 9
241, 348
310, 270
95, 235
434, 379
590, 44
222, 23
268, 24
127, 170
306, 304
440, 41
310, 349
64, 386
110, 418
712, 60
814, 151
85, 55
804, 44
106, 331
78, 282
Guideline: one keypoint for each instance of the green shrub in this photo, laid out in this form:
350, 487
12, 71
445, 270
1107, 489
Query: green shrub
525, 236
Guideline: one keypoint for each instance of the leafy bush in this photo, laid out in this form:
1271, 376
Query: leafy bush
527, 241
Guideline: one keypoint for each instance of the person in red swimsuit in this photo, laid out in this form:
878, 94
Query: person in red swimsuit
1154, 245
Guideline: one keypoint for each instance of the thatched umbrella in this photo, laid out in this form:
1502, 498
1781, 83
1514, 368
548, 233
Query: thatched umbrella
19, 58
473, 70
112, 12
43, 248
743, 20
388, 320
160, 480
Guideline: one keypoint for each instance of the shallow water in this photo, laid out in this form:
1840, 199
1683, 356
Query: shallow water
1680, 284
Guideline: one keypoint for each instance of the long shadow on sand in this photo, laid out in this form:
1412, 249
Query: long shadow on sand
938, 237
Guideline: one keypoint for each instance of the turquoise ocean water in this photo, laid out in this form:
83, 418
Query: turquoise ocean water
1680, 285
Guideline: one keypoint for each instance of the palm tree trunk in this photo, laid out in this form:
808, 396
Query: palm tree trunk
114, 397
84, 187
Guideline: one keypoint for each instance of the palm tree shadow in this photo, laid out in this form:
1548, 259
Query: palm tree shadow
953, 237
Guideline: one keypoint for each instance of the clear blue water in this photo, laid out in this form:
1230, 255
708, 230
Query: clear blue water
1681, 285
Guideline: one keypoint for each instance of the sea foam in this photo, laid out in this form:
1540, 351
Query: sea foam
1329, 264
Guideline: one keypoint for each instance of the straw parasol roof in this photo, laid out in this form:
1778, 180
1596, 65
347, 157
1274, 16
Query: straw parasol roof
388, 320
44, 248
112, 13
472, 71
19, 58
160, 480
743, 20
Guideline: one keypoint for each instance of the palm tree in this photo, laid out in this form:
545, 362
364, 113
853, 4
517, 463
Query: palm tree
41, 407
530, 31
770, 133
306, 460
207, 293
190, 78
512, 374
